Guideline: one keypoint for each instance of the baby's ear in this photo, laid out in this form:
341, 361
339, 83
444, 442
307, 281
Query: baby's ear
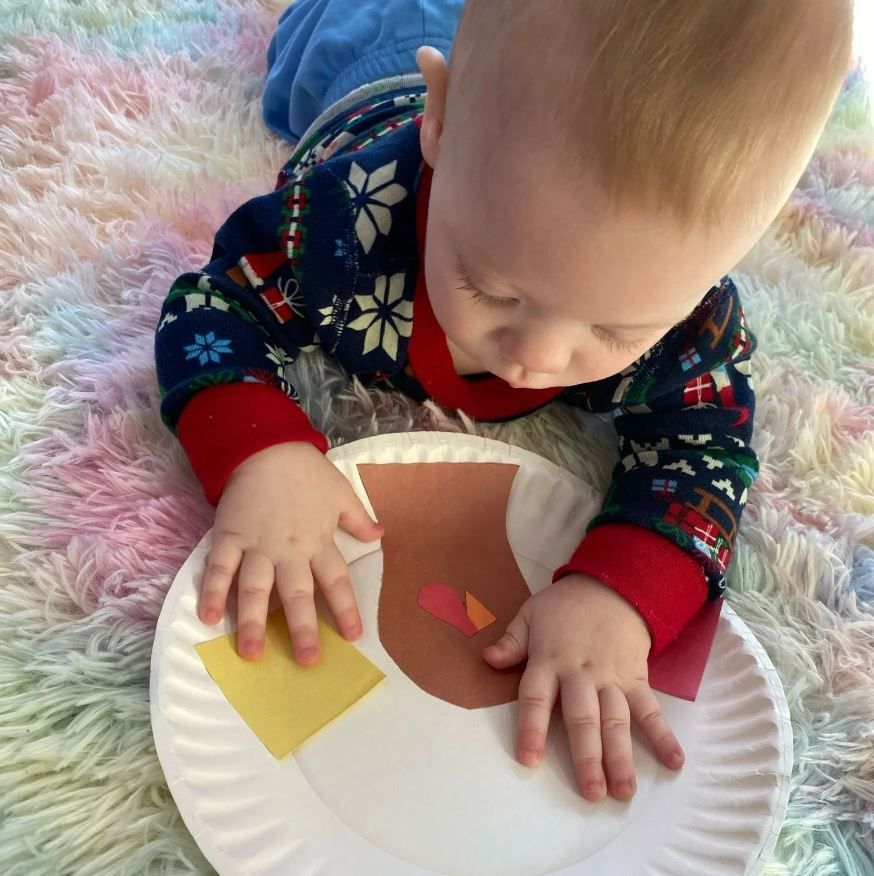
434, 69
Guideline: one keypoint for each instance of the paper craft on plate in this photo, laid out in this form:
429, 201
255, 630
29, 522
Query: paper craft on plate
450, 587
446, 542
445, 530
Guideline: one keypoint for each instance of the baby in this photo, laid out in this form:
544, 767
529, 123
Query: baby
550, 218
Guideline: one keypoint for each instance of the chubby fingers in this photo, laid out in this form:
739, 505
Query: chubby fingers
512, 647
538, 689
222, 564
581, 710
253, 592
294, 581
616, 742
332, 575
598, 723
648, 715
355, 520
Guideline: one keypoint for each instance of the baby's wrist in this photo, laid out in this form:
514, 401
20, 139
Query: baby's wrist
586, 585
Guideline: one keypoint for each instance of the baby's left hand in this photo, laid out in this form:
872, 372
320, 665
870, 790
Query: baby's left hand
586, 640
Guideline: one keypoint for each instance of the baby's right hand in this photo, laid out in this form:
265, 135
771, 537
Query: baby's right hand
276, 520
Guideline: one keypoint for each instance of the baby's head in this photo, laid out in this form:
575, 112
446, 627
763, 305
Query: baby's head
600, 164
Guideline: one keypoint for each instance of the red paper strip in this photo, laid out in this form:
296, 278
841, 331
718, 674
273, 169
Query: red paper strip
678, 670
441, 601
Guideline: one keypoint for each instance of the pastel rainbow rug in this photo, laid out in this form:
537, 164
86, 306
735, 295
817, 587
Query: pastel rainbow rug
128, 132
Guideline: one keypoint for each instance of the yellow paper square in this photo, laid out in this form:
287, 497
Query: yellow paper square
284, 703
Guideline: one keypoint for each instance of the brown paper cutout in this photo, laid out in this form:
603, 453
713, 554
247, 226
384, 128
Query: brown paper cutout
446, 522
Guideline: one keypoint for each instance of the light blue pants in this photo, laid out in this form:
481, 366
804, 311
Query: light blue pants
324, 49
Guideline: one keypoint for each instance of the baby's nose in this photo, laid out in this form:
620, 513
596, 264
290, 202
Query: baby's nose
537, 353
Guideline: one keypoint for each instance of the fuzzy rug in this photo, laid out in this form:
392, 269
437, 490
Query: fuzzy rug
128, 132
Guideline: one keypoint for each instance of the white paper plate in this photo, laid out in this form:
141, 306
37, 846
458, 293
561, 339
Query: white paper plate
405, 783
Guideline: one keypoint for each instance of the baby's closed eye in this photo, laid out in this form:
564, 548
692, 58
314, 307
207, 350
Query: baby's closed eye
465, 283
616, 343
477, 295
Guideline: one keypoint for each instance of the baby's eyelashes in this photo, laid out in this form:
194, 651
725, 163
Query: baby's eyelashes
615, 343
490, 300
467, 285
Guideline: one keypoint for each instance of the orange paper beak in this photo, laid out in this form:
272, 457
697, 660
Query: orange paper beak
477, 612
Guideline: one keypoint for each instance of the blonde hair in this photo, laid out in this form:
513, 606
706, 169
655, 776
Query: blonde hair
690, 106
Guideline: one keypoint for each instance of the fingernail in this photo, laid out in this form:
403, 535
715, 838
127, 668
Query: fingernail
530, 754
675, 758
211, 615
624, 787
307, 654
594, 788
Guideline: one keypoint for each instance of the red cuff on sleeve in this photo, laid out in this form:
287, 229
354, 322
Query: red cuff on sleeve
664, 583
226, 423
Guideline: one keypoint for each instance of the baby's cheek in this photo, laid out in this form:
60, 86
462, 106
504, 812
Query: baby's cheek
482, 329
449, 307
